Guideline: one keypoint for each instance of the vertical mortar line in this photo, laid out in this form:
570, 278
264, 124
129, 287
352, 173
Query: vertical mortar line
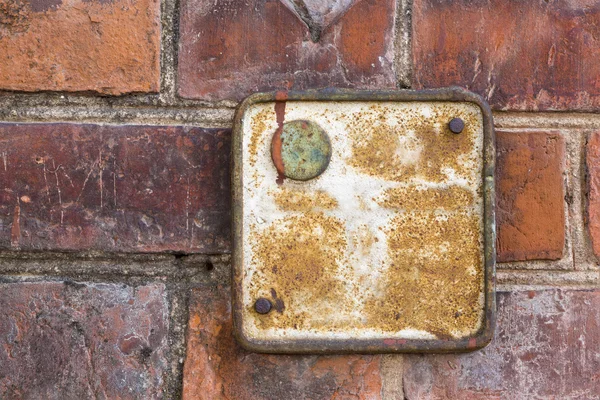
392, 376
571, 192
168, 43
178, 298
584, 258
403, 44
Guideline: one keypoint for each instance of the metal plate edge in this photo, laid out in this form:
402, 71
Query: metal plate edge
325, 346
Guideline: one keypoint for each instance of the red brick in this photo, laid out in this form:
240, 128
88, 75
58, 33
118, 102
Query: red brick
216, 367
230, 49
520, 55
109, 47
546, 347
593, 189
530, 213
114, 188
80, 341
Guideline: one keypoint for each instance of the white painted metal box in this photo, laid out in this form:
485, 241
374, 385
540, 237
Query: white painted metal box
363, 222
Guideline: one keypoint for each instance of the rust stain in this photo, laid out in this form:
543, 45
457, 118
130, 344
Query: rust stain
277, 142
259, 126
389, 243
299, 258
411, 198
363, 239
278, 305
281, 96
301, 200
435, 278
433, 283
418, 146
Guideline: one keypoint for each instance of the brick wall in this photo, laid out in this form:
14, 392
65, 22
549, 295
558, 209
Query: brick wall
115, 122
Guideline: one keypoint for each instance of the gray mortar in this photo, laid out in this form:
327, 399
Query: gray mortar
403, 44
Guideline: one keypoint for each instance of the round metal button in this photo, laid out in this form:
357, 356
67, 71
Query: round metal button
262, 305
301, 150
456, 125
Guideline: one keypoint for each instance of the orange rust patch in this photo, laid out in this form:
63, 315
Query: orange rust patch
404, 253
276, 141
434, 282
276, 144
410, 198
298, 261
258, 127
417, 146
374, 151
299, 200
363, 239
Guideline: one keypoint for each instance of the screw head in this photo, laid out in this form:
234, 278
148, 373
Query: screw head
262, 305
456, 125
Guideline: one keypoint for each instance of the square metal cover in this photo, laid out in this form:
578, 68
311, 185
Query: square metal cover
362, 222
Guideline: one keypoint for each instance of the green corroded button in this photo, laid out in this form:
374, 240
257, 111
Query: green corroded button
301, 150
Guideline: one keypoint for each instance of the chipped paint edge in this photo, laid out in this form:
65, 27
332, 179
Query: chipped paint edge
330, 346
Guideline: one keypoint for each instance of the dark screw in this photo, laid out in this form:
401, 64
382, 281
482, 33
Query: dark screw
456, 125
262, 306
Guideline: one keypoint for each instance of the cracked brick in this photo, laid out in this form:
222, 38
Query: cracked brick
81, 340
231, 49
114, 188
545, 347
533, 55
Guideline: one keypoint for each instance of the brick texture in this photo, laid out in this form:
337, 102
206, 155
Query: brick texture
109, 47
530, 211
231, 49
80, 341
216, 367
114, 188
151, 189
532, 55
545, 348
593, 189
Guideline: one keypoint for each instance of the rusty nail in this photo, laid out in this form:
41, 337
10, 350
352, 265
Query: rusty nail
456, 125
262, 305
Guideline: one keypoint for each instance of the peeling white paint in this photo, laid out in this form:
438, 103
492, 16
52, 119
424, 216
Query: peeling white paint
357, 195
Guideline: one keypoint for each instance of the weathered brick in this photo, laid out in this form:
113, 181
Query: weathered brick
216, 367
593, 190
546, 347
530, 211
114, 188
231, 49
532, 55
81, 341
110, 47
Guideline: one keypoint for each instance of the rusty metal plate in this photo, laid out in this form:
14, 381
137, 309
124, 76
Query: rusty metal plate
363, 222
